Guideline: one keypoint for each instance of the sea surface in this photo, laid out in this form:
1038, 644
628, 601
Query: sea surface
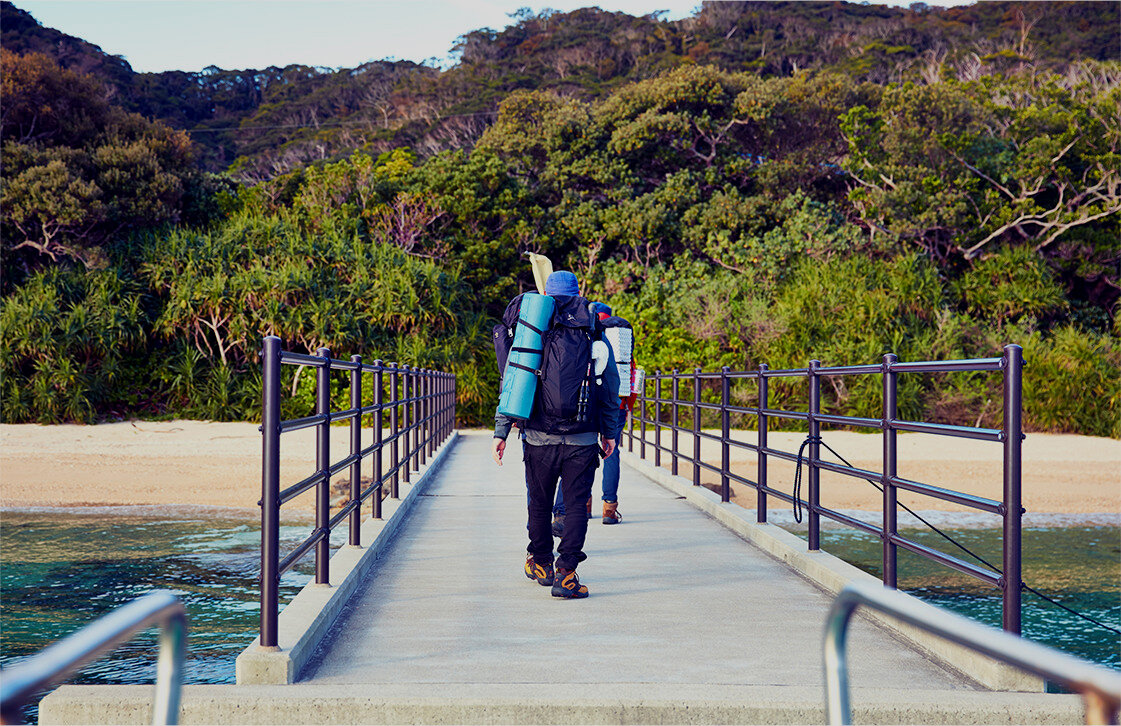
59, 570
1077, 566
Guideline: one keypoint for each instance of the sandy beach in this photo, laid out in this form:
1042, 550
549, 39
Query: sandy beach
218, 465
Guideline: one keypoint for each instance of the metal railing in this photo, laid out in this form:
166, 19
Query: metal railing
55, 663
1010, 365
421, 408
1100, 687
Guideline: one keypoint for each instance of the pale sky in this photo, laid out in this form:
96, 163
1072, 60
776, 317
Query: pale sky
188, 35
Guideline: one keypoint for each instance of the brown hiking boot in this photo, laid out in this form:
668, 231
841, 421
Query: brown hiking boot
611, 513
541, 572
567, 585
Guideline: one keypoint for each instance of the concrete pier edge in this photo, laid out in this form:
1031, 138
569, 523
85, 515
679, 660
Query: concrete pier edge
585, 703
308, 617
832, 574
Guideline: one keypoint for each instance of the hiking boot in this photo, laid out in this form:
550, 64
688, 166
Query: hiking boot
567, 585
542, 573
558, 525
611, 513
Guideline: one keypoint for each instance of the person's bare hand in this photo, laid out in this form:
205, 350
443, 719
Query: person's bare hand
608, 447
498, 449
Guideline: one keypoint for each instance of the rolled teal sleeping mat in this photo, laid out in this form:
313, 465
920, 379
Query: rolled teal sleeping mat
518, 384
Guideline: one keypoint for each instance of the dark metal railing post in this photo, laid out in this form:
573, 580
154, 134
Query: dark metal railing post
642, 422
441, 407
761, 459
356, 451
416, 418
431, 401
406, 425
697, 427
814, 523
378, 470
725, 434
394, 433
1013, 365
270, 489
446, 423
423, 422
658, 418
323, 466
890, 469
673, 431
431, 398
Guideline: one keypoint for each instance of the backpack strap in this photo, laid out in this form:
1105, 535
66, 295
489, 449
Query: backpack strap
531, 327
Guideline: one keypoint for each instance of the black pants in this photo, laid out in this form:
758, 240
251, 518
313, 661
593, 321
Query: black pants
576, 467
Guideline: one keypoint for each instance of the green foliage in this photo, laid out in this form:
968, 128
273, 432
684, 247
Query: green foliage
1072, 382
256, 276
739, 209
962, 168
78, 170
75, 342
275, 120
1010, 286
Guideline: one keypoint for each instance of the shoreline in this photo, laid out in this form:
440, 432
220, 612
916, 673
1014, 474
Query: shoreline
778, 515
215, 467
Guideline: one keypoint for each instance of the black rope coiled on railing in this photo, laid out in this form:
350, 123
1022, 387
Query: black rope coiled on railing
797, 503
1023, 585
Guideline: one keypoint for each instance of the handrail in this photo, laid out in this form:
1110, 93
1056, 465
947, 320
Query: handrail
420, 404
56, 662
1100, 687
652, 411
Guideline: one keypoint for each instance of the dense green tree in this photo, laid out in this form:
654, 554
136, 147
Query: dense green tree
960, 168
78, 170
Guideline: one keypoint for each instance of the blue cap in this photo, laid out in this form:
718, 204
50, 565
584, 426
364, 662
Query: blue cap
598, 307
562, 282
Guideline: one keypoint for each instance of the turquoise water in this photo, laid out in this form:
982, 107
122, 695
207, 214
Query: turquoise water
1077, 566
61, 571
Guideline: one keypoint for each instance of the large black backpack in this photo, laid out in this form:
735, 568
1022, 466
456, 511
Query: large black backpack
566, 400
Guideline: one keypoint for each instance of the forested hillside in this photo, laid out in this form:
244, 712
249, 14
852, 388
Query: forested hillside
762, 182
270, 121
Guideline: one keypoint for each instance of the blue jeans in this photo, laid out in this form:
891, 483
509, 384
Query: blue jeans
610, 482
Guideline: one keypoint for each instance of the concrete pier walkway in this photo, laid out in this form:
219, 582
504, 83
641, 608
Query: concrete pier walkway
675, 599
686, 623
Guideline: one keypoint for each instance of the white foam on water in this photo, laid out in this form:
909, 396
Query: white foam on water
176, 511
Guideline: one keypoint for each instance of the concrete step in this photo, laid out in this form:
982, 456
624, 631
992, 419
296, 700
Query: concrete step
569, 703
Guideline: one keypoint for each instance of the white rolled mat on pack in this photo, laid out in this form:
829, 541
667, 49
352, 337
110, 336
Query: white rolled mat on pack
622, 343
624, 378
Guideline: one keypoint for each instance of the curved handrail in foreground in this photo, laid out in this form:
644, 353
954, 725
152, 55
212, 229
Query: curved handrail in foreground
58, 661
1100, 687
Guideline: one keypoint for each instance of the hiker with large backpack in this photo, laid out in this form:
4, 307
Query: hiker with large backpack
575, 407
619, 335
